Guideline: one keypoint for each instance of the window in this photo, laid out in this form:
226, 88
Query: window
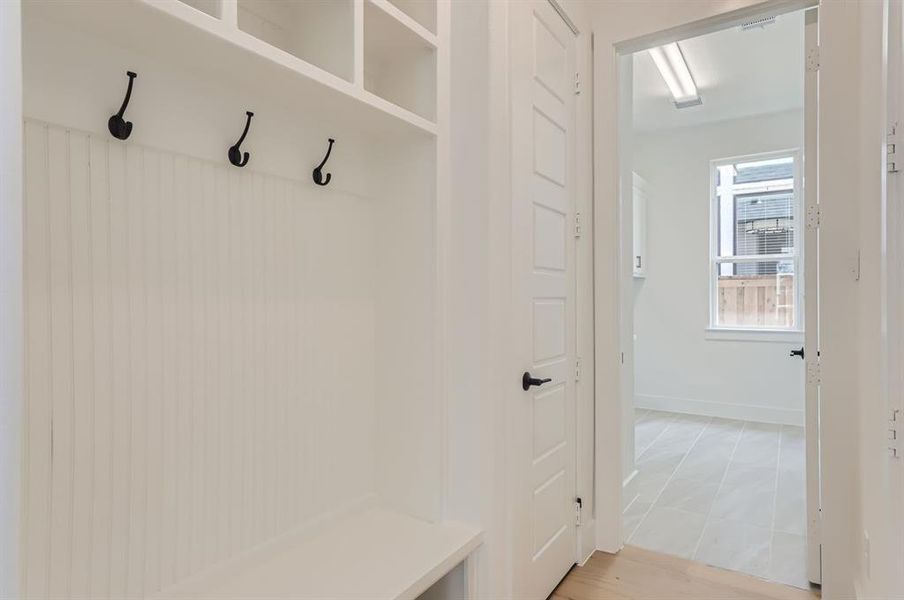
754, 258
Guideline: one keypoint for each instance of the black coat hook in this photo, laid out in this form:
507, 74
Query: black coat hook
235, 153
318, 172
118, 126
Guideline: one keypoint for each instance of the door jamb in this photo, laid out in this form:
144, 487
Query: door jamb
585, 429
892, 382
625, 311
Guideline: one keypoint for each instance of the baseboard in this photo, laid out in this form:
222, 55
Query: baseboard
741, 412
586, 540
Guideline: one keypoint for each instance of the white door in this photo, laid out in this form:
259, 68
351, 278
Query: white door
811, 298
543, 284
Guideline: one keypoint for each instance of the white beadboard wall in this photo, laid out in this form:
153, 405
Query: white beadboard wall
200, 361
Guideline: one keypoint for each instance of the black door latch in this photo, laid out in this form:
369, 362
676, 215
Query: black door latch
527, 381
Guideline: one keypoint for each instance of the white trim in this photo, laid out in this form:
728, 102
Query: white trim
564, 14
12, 402
754, 335
810, 252
892, 284
589, 526
717, 22
395, 13
584, 334
707, 408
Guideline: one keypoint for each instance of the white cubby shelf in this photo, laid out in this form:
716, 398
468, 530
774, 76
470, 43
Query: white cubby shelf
424, 13
399, 59
305, 52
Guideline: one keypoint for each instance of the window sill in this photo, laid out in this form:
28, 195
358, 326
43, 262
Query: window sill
754, 335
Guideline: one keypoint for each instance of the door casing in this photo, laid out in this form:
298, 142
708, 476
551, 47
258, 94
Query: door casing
610, 532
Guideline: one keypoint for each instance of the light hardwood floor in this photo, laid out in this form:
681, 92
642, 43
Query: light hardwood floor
637, 574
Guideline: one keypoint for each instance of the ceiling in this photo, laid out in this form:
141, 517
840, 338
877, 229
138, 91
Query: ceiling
738, 74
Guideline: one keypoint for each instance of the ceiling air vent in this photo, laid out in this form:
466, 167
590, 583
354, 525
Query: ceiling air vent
758, 23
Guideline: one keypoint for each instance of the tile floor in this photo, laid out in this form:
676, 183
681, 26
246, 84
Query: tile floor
727, 493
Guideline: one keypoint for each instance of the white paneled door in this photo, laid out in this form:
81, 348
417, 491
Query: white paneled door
543, 253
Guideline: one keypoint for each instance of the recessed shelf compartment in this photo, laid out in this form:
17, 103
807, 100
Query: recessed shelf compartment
232, 57
320, 32
399, 62
209, 7
422, 11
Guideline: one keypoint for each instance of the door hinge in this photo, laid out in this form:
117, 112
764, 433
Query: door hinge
894, 433
578, 507
814, 371
577, 82
578, 222
813, 59
814, 215
891, 143
577, 368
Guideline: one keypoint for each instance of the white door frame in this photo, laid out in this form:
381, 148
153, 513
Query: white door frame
610, 498
584, 309
810, 289
891, 268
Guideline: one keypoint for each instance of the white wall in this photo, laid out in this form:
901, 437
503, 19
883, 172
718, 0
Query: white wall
11, 401
881, 478
676, 367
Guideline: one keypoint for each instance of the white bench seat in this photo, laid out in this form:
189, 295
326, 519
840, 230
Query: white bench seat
373, 554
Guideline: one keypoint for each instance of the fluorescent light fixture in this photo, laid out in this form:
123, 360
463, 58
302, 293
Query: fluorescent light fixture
673, 68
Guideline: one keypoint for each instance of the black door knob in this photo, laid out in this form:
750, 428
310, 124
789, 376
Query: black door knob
527, 381
799, 353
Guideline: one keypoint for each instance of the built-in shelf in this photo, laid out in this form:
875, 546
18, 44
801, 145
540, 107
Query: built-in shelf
320, 32
209, 7
404, 19
423, 12
399, 59
183, 33
376, 553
